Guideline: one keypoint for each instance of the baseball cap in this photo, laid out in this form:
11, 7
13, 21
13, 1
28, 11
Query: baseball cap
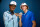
13, 3
23, 4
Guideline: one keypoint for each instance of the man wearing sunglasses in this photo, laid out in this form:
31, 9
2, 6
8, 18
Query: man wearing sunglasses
10, 19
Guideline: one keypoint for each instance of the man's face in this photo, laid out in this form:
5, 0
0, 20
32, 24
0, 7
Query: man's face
12, 7
24, 7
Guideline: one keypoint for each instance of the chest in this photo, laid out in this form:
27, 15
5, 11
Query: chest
26, 17
11, 17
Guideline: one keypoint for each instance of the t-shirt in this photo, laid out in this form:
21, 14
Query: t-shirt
27, 19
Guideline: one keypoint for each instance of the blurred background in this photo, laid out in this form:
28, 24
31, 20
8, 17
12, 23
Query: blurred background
34, 6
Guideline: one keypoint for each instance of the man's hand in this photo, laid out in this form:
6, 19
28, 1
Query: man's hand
34, 24
17, 14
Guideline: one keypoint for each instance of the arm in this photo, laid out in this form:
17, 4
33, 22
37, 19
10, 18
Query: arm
5, 19
20, 23
33, 20
34, 24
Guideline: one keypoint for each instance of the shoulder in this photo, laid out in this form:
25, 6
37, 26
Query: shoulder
6, 12
30, 12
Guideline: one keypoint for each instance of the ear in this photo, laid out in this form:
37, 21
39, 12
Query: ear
20, 7
26, 7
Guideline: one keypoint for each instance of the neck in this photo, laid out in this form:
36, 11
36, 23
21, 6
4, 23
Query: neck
11, 12
25, 11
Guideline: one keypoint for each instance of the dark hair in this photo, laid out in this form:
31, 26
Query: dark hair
11, 4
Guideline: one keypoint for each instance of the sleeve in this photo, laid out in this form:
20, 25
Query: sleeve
5, 19
32, 17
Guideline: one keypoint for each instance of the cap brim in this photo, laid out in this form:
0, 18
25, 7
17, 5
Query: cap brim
11, 4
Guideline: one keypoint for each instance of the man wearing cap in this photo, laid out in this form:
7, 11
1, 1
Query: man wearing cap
10, 19
28, 19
